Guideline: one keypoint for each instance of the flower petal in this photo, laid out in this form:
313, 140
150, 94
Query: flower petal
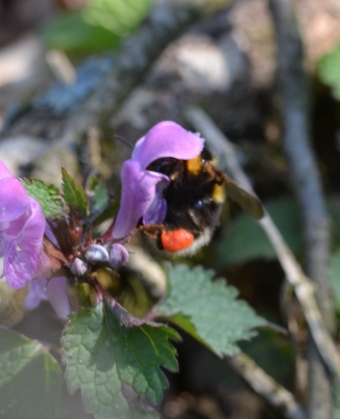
13, 199
24, 249
36, 293
57, 295
156, 212
19, 266
139, 190
167, 139
54, 290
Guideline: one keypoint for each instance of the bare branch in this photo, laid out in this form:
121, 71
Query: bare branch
280, 399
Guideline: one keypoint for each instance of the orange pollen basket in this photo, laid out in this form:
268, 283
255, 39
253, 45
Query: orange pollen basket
176, 240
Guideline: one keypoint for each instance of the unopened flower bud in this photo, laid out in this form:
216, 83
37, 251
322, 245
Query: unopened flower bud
97, 253
118, 255
78, 267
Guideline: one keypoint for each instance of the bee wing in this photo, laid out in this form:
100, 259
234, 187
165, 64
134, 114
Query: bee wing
247, 202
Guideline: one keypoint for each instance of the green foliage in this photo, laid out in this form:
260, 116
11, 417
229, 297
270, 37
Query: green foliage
99, 196
208, 310
273, 352
245, 240
329, 70
49, 198
100, 26
74, 194
30, 379
115, 360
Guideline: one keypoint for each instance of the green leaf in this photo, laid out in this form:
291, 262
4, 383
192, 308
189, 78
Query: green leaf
30, 379
245, 240
99, 26
98, 193
115, 360
272, 352
74, 194
208, 310
49, 198
329, 70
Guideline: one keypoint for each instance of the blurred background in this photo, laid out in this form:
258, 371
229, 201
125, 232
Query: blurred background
57, 57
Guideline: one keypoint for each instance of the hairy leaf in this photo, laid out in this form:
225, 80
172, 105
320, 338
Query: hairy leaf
207, 309
74, 194
115, 360
30, 379
49, 198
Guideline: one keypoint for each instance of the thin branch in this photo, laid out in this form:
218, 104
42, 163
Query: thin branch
295, 112
303, 287
152, 275
280, 399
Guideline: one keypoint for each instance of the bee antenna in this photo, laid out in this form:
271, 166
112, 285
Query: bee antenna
123, 141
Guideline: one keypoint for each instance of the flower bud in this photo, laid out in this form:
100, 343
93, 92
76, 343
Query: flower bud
118, 255
96, 253
78, 267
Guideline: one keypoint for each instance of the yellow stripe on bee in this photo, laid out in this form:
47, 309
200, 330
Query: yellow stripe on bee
194, 166
218, 194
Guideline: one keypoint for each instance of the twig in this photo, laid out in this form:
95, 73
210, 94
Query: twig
280, 399
153, 275
303, 287
294, 93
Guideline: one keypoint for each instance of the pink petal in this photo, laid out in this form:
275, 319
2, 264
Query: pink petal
57, 295
167, 139
138, 194
54, 290
13, 199
36, 293
19, 266
24, 249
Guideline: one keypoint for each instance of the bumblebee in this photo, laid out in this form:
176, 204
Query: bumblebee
194, 200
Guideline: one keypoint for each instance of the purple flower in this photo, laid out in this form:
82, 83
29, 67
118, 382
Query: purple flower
22, 227
142, 190
55, 290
